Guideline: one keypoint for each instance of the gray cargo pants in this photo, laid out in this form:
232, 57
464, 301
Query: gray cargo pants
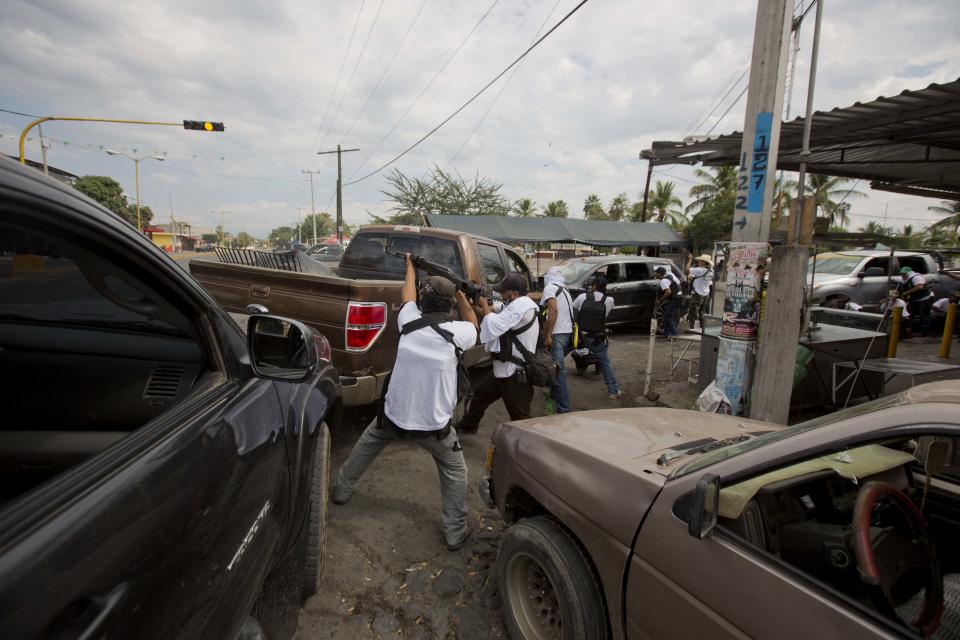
450, 465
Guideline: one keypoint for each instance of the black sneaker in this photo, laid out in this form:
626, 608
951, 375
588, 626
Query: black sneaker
459, 545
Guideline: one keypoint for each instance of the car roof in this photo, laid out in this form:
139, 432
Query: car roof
619, 258
941, 391
875, 253
433, 232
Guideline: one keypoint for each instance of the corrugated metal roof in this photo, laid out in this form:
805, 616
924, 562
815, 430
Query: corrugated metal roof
602, 233
908, 143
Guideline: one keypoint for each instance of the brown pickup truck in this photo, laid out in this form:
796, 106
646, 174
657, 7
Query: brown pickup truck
354, 304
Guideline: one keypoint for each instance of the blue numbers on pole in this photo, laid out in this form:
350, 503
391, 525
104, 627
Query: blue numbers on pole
758, 163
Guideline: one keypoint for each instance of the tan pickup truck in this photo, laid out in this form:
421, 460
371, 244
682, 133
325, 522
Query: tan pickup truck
355, 302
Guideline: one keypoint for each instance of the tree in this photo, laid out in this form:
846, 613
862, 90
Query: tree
831, 196
908, 238
949, 208
593, 208
636, 211
244, 239
666, 205
442, 192
325, 225
718, 183
782, 199
107, 192
619, 207
525, 207
146, 215
282, 235
712, 222
875, 228
937, 237
556, 209
210, 238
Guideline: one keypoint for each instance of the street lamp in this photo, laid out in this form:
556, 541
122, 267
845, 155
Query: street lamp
136, 169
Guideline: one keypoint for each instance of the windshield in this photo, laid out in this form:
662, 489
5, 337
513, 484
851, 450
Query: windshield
573, 270
739, 447
835, 263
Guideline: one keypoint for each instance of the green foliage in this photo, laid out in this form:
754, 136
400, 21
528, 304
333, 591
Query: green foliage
282, 235
593, 208
619, 207
718, 183
525, 207
636, 211
556, 209
950, 209
244, 239
109, 193
666, 205
325, 226
878, 229
831, 195
442, 192
713, 221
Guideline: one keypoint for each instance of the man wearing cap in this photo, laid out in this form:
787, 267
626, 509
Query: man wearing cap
701, 282
913, 290
669, 299
559, 331
421, 395
518, 317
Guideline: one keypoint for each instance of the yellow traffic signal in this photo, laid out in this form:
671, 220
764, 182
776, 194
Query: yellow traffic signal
202, 125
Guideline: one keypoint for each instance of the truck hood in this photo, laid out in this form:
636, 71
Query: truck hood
603, 464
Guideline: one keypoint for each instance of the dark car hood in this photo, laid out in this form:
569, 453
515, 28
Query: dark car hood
603, 463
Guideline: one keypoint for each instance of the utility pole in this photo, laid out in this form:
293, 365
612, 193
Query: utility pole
313, 209
339, 189
646, 190
43, 150
746, 264
299, 225
222, 230
173, 224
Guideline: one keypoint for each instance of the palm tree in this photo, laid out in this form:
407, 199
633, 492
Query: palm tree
936, 236
782, 198
949, 208
830, 196
593, 208
875, 228
721, 182
667, 206
525, 207
908, 238
556, 209
619, 207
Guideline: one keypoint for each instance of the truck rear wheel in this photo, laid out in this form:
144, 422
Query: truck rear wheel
317, 525
547, 584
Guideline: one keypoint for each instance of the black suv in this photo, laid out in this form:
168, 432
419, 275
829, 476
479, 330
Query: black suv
161, 475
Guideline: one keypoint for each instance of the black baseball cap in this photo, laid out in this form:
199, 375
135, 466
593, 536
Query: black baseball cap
513, 282
660, 268
439, 287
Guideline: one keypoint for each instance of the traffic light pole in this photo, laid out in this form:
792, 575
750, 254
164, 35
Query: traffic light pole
339, 151
747, 262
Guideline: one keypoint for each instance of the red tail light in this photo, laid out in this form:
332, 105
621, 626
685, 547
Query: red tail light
365, 322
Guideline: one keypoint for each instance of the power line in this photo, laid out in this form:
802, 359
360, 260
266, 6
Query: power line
426, 88
503, 88
733, 86
732, 105
17, 113
386, 68
475, 96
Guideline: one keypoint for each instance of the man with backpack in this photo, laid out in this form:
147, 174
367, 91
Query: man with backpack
558, 333
913, 290
510, 336
592, 309
421, 394
669, 299
701, 284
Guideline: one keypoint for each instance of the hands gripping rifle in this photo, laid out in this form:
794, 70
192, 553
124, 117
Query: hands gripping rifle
471, 289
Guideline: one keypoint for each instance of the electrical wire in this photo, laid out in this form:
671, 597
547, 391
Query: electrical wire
426, 88
503, 88
474, 97
732, 105
18, 113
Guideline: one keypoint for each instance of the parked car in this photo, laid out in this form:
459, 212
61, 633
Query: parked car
630, 281
161, 474
326, 252
662, 523
355, 302
206, 246
866, 277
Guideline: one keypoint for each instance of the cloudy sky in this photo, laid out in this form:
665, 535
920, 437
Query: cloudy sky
288, 80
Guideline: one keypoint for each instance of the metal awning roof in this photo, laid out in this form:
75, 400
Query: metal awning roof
908, 143
601, 233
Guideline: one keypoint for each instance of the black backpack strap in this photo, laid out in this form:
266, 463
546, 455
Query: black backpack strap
514, 337
424, 321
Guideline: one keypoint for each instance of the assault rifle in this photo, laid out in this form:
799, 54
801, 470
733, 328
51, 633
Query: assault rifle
471, 289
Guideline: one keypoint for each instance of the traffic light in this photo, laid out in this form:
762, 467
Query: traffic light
202, 125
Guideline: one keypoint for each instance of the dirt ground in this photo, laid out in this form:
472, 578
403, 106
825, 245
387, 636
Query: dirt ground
388, 574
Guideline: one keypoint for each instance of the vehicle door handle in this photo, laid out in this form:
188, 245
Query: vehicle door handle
98, 609
259, 291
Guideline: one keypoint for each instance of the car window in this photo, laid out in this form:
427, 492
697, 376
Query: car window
834, 263
490, 263
917, 263
609, 271
515, 264
637, 271
883, 263
573, 270
365, 253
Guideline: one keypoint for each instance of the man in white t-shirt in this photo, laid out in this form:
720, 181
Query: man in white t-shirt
597, 343
700, 276
558, 332
421, 395
669, 298
517, 318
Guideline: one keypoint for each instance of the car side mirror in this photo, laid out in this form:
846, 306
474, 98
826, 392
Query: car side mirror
706, 502
872, 271
281, 349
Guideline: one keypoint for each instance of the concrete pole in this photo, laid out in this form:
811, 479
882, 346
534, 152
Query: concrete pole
754, 203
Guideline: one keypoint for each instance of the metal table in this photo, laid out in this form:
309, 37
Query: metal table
889, 368
689, 339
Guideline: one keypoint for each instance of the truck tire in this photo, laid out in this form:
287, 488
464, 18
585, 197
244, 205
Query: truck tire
317, 524
547, 584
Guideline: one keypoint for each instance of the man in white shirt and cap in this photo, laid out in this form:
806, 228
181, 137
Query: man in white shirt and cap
700, 276
421, 395
558, 332
518, 318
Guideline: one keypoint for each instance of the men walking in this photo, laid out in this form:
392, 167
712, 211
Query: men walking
669, 298
700, 276
518, 318
913, 290
592, 309
421, 395
559, 331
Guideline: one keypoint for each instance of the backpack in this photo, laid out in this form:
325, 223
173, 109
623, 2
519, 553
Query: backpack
538, 369
574, 329
592, 316
464, 386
